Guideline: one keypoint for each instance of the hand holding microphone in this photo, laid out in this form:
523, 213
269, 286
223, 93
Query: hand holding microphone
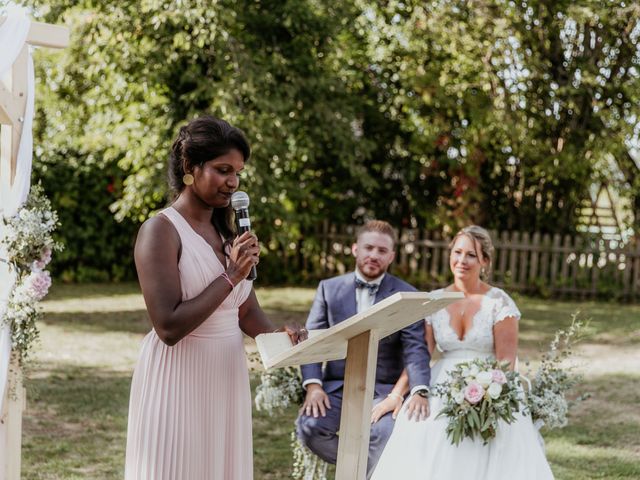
245, 250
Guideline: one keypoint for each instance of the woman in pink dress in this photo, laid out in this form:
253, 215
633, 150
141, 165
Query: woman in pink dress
190, 406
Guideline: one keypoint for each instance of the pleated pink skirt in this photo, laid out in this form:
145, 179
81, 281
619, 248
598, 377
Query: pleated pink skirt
190, 410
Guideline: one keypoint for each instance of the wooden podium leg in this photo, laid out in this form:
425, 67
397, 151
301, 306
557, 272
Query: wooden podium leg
357, 400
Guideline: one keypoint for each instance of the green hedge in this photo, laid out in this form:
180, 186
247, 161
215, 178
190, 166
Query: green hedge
96, 246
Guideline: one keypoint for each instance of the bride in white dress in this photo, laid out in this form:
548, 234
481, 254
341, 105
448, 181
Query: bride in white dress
483, 325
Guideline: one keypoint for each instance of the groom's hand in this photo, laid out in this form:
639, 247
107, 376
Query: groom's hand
417, 408
315, 402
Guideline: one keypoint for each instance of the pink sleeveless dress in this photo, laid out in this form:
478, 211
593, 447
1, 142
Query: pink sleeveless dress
190, 405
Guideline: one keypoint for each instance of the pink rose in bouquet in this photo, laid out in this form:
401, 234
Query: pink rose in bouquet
498, 376
474, 393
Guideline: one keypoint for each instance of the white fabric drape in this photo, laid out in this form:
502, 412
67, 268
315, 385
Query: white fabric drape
13, 35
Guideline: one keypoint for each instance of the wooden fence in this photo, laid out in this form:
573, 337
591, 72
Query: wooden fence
579, 267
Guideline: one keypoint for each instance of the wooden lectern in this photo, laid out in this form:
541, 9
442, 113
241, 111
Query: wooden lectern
356, 339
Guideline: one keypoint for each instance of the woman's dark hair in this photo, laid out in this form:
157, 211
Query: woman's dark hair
201, 140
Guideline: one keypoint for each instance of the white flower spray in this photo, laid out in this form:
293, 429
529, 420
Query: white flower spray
547, 398
26, 239
279, 389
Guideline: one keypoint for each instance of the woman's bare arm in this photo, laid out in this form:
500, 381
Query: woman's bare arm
505, 338
429, 338
253, 321
156, 254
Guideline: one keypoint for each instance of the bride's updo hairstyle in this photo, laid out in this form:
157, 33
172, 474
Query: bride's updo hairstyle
474, 232
201, 140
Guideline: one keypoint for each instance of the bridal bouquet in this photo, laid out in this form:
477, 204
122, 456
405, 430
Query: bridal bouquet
477, 396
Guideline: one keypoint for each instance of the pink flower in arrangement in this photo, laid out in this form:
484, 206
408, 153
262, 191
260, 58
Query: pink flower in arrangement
44, 259
46, 255
38, 265
473, 393
498, 376
38, 284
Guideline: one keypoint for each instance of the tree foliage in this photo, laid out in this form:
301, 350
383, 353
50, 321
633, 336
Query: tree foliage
426, 114
511, 110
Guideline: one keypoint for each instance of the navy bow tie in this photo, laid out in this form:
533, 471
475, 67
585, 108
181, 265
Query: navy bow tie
372, 287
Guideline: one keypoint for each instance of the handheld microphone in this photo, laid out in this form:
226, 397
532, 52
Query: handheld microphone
240, 205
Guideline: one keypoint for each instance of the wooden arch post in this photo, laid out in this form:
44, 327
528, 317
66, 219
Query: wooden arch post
13, 102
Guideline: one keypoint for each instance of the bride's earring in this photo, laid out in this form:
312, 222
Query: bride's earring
187, 179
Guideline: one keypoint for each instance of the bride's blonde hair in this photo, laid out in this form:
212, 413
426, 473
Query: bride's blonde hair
474, 232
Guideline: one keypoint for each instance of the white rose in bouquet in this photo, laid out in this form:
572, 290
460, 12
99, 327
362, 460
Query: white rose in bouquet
484, 378
494, 390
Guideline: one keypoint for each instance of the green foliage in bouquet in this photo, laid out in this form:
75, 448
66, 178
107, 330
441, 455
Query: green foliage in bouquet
478, 395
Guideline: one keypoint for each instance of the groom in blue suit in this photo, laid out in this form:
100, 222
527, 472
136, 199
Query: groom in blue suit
338, 299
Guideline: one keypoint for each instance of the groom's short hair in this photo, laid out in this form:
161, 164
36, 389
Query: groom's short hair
379, 226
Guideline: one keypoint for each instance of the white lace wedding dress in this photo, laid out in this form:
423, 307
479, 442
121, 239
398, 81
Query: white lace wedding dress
422, 451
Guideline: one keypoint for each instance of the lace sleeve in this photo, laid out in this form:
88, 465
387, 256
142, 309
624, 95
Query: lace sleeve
505, 307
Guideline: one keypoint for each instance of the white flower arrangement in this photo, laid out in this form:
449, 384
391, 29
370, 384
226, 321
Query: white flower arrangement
279, 389
546, 398
306, 464
27, 241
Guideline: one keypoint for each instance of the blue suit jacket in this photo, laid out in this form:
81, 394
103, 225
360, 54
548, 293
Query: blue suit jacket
335, 302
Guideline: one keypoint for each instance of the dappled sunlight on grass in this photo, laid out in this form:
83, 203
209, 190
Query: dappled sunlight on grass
85, 345
271, 443
78, 390
613, 321
129, 321
577, 462
602, 438
115, 303
75, 423
64, 291
288, 298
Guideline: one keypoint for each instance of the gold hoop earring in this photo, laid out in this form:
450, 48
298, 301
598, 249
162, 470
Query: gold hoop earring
187, 179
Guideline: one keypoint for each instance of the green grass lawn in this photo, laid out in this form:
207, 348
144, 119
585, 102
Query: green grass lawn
78, 386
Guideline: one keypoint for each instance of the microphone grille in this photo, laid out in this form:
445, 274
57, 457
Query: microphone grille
239, 200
